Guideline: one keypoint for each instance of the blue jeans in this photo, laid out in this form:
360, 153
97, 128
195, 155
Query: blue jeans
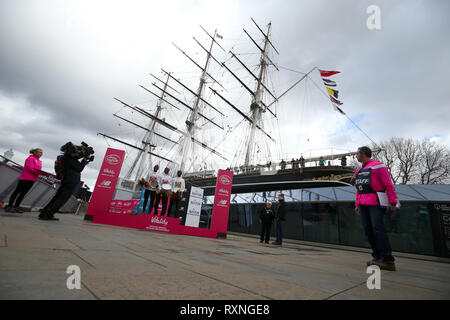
279, 231
372, 219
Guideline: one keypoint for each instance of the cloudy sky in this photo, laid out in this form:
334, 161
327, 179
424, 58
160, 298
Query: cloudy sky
62, 62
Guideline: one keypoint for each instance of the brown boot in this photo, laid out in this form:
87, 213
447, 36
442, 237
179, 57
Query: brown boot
372, 262
390, 266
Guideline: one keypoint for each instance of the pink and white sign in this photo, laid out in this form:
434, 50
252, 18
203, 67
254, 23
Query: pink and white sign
106, 182
222, 196
122, 206
105, 210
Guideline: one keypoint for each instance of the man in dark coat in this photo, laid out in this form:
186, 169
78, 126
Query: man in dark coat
71, 179
279, 217
266, 216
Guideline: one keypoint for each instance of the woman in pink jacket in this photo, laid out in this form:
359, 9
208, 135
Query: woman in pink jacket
371, 178
30, 173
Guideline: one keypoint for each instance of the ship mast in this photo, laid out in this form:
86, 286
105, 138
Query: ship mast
144, 154
256, 106
193, 115
186, 137
148, 138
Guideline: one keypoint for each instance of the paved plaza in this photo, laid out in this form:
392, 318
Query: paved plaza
121, 263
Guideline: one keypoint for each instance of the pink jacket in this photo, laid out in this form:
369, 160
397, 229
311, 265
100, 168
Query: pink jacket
380, 181
31, 169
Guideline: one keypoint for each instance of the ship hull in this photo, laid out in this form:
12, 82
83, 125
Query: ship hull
309, 177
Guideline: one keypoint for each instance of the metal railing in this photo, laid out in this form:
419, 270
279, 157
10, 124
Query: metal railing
39, 194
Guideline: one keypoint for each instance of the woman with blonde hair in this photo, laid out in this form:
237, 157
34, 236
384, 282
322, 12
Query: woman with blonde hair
30, 173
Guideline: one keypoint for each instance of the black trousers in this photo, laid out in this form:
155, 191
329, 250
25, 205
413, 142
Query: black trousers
62, 195
164, 199
174, 206
265, 231
152, 195
21, 190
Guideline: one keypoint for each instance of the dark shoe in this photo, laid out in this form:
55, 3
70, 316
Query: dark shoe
384, 265
10, 209
18, 210
45, 216
267, 242
276, 243
372, 262
53, 218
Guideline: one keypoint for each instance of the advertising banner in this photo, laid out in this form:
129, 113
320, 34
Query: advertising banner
122, 206
194, 207
222, 196
104, 210
106, 183
444, 210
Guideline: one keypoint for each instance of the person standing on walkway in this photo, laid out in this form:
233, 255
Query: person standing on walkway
28, 177
71, 173
371, 178
165, 186
279, 218
179, 186
150, 189
266, 216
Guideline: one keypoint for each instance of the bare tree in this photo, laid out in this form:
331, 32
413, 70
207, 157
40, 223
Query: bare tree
387, 155
408, 154
354, 163
411, 161
434, 164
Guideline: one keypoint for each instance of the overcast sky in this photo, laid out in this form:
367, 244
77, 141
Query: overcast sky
62, 62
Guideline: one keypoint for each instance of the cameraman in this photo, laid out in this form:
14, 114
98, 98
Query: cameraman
71, 172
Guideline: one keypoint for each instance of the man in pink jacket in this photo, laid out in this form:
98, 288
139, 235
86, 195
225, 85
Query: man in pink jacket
371, 178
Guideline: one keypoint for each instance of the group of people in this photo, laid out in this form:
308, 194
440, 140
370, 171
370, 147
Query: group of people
159, 187
266, 217
373, 183
295, 163
71, 176
343, 161
372, 180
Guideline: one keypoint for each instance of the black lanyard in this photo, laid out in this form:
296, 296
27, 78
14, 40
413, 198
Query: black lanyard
362, 167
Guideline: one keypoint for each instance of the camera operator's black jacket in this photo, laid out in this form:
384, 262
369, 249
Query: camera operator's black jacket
72, 169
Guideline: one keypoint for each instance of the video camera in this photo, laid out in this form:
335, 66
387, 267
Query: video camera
78, 152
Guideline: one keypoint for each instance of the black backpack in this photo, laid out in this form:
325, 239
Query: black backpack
59, 167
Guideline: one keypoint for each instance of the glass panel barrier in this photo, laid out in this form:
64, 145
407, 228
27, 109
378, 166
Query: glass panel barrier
320, 222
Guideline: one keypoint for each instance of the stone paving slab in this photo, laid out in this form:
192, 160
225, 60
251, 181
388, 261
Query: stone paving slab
121, 263
39, 285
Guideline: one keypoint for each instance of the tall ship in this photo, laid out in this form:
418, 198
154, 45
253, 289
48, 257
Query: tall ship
221, 111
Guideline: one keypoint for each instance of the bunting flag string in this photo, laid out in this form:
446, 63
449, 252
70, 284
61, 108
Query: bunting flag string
338, 109
333, 94
328, 82
335, 101
324, 73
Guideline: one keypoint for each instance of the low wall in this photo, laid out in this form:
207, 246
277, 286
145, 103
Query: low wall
38, 196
